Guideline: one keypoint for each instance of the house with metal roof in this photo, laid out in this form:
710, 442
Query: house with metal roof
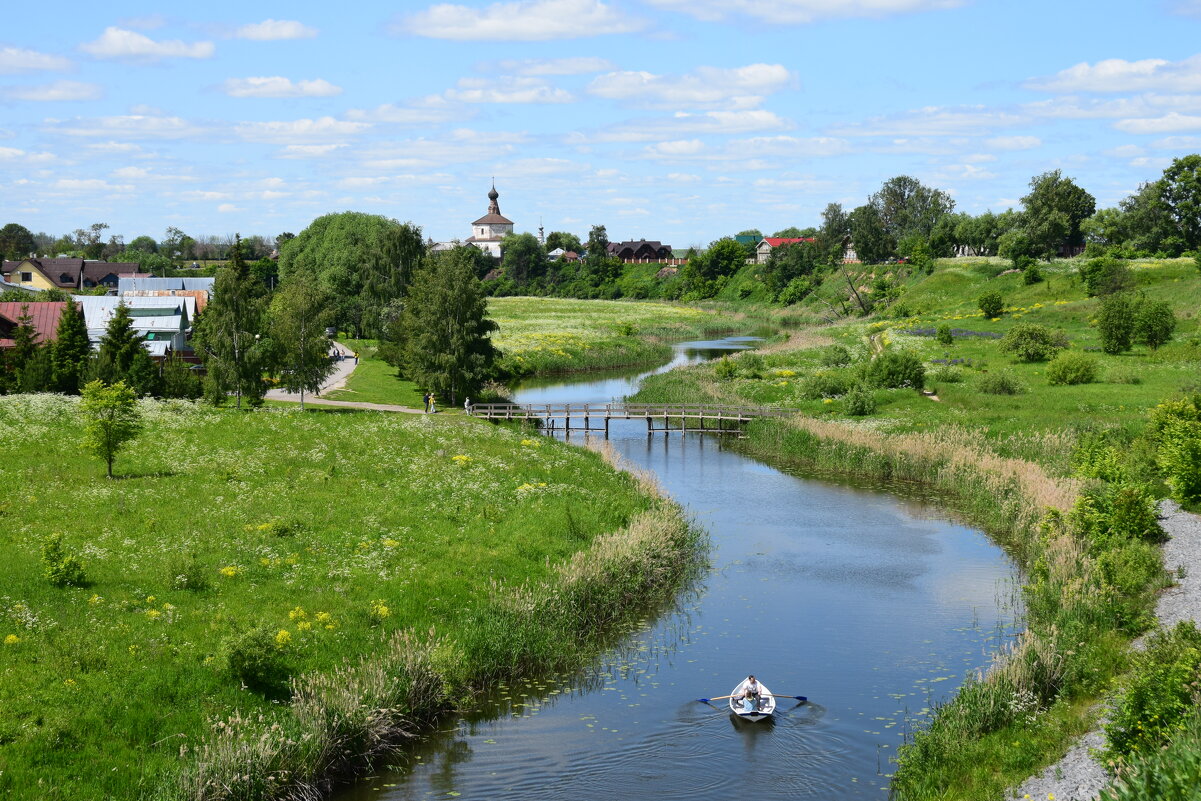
151, 287
769, 243
164, 322
43, 316
635, 250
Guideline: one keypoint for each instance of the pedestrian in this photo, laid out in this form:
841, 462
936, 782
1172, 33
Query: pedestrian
426, 400
433, 408
467, 405
356, 357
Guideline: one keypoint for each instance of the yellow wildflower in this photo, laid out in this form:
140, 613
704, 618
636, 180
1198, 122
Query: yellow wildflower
133, 650
69, 682
324, 617
153, 614
229, 571
304, 625
282, 638
461, 460
297, 614
12, 639
95, 600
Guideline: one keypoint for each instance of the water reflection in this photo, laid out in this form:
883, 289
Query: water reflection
872, 604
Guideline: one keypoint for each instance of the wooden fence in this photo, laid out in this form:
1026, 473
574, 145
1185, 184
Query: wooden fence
683, 417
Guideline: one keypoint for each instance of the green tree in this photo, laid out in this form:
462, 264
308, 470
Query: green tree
1154, 323
1115, 322
111, 419
906, 206
446, 331
1054, 211
118, 347
1031, 342
71, 351
873, 243
834, 231
357, 256
229, 333
145, 244
977, 234
991, 303
16, 242
788, 262
602, 267
755, 232
562, 239
1180, 195
523, 259
300, 313
24, 350
723, 258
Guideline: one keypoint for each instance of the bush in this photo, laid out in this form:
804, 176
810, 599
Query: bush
1002, 382
895, 369
1072, 368
991, 303
1105, 276
1155, 702
1030, 272
1154, 323
946, 374
63, 569
859, 401
1032, 342
835, 356
944, 336
750, 365
1115, 323
725, 369
255, 659
825, 384
1170, 774
1180, 460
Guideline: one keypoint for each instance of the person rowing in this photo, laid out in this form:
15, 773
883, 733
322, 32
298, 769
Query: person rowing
751, 694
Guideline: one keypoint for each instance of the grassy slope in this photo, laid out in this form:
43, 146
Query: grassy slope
97, 683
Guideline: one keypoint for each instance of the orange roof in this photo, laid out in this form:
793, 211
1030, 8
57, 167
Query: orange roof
776, 241
44, 314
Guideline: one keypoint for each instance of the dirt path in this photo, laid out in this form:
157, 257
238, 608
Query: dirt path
337, 379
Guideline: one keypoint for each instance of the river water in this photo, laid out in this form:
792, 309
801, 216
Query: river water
870, 600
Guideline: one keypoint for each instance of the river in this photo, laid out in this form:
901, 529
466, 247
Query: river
870, 600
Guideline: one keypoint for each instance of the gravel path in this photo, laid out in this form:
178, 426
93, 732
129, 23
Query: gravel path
1079, 777
336, 380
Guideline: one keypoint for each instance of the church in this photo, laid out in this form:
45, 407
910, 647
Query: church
489, 230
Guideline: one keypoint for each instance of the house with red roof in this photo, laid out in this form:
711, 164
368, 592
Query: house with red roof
44, 316
769, 243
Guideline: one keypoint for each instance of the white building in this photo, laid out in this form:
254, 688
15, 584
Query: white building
489, 230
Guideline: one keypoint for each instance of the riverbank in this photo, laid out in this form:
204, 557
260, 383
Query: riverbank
270, 597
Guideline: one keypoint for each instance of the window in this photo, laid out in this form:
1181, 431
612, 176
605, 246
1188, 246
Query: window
26, 278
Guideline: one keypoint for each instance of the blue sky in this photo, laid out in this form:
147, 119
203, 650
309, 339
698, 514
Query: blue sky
678, 120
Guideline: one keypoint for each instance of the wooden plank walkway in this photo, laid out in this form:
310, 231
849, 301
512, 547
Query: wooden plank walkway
707, 418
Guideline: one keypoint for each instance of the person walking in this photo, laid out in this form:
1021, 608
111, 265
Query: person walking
433, 408
425, 399
467, 406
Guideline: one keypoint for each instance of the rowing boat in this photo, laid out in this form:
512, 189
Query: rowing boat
765, 708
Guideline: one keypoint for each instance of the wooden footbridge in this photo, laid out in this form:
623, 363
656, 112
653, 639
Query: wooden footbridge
664, 417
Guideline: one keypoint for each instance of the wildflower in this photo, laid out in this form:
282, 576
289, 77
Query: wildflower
297, 614
95, 600
324, 617
282, 638
12, 639
149, 599
133, 650
229, 571
827, 400
303, 625
168, 607
379, 611
461, 460
391, 543
153, 614
69, 682
531, 443
265, 562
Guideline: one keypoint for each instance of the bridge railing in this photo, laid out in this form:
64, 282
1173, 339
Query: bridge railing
517, 411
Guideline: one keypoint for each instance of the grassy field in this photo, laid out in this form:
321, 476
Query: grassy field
1093, 567
238, 549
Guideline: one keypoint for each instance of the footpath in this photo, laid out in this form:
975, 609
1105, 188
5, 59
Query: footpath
1079, 776
336, 380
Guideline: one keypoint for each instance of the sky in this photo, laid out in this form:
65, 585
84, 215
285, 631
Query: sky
676, 120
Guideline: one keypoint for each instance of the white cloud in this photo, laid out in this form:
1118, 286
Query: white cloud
124, 44
1119, 75
14, 60
683, 178
90, 185
737, 88
963, 172
1150, 103
277, 86
150, 22
1178, 143
114, 147
129, 126
708, 122
287, 131
1124, 152
25, 157
934, 121
431, 109
309, 151
794, 12
196, 194
273, 29
815, 146
56, 91
1013, 142
520, 21
508, 90
1169, 123
580, 65
226, 208
145, 174
680, 147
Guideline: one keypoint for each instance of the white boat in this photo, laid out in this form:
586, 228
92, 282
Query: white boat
749, 711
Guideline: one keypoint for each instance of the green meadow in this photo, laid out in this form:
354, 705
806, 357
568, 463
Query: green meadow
240, 557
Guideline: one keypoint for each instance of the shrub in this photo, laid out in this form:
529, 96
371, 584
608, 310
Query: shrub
725, 369
255, 659
1157, 698
1002, 382
1106, 275
1180, 460
895, 369
796, 291
943, 335
859, 401
750, 365
188, 573
1072, 368
991, 303
835, 356
63, 569
946, 374
825, 384
1115, 323
1154, 323
1032, 342
1030, 272
1170, 774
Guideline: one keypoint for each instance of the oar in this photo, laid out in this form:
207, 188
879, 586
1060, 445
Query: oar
715, 698
797, 697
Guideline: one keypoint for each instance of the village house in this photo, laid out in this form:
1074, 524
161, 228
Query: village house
43, 317
164, 322
640, 250
145, 286
67, 274
769, 243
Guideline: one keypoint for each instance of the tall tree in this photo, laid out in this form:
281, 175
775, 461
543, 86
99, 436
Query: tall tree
21, 354
16, 242
832, 236
90, 239
603, 267
111, 419
118, 347
1180, 195
1054, 211
445, 329
524, 259
71, 351
300, 313
562, 239
873, 244
229, 332
908, 207
144, 244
